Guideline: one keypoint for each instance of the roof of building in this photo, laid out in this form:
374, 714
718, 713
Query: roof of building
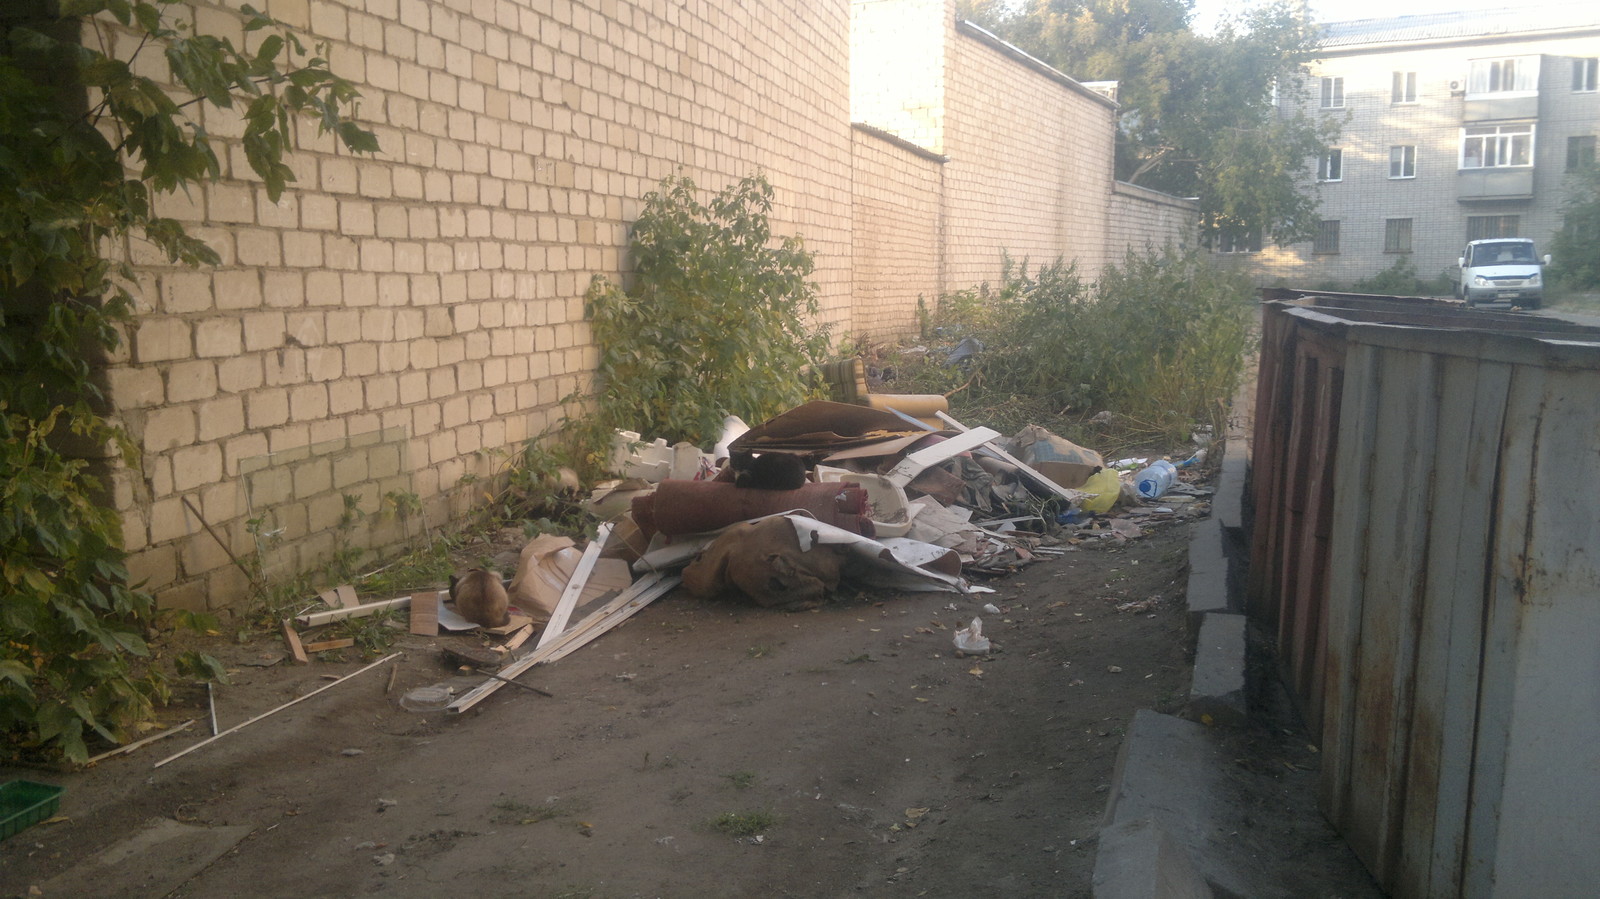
1460, 25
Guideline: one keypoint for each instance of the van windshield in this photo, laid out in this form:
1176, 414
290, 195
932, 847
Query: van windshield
1502, 254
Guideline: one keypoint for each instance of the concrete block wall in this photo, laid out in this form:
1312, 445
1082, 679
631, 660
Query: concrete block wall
423, 308
898, 233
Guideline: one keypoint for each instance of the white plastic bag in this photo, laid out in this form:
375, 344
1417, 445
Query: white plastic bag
971, 638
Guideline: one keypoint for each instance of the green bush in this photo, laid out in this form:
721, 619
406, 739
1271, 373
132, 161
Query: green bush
86, 143
1160, 340
717, 321
1400, 279
1575, 249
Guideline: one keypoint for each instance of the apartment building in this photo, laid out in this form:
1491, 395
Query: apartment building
1459, 126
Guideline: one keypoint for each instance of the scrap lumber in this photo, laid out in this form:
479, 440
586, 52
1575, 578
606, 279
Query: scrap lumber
243, 725
291, 638
325, 645
318, 618
425, 614
517, 639
643, 592
569, 596
1070, 496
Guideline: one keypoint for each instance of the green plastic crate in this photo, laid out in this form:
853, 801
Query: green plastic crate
24, 803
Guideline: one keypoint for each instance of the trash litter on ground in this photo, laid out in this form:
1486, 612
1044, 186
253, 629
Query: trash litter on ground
883, 491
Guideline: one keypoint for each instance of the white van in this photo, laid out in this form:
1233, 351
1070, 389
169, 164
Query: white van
1501, 270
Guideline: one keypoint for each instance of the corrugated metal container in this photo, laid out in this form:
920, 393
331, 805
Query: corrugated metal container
1437, 590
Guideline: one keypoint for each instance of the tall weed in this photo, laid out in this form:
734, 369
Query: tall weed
1160, 340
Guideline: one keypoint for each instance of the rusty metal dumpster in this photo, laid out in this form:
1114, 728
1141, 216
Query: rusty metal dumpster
1426, 488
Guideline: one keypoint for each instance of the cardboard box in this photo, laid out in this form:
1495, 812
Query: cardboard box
1070, 475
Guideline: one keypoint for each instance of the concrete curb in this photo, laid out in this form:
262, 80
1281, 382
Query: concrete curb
1166, 774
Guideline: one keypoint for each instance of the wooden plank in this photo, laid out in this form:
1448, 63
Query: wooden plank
291, 638
644, 591
1407, 430
1070, 496
325, 645
347, 597
517, 623
1353, 473
315, 619
517, 639
241, 726
425, 614
569, 596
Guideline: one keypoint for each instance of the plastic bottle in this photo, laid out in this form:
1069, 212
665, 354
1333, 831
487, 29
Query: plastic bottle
1155, 479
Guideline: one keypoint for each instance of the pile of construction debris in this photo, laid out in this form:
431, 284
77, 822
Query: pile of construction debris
893, 494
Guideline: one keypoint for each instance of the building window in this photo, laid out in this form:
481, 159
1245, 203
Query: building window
1483, 227
1518, 74
1397, 235
1403, 162
1239, 240
1333, 93
1497, 146
1331, 167
1584, 73
1580, 152
1405, 88
1327, 239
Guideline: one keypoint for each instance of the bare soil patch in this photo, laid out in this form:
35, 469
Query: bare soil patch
702, 749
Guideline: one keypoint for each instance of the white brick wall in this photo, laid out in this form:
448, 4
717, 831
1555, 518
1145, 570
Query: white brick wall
389, 317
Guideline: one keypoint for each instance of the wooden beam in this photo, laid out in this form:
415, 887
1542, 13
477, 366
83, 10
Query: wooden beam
243, 725
644, 591
315, 619
291, 638
575, 585
325, 645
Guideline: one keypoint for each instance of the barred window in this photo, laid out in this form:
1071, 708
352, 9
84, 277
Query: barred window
1327, 239
1397, 235
1482, 227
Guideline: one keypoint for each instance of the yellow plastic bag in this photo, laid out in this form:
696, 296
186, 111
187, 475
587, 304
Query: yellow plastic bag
1106, 487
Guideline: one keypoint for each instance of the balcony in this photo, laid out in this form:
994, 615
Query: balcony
1493, 108
1503, 183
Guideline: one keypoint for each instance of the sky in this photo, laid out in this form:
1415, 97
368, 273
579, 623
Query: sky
1207, 11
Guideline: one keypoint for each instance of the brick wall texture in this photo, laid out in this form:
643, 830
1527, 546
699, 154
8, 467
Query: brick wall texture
394, 325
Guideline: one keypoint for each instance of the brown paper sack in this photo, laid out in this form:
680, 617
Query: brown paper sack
545, 567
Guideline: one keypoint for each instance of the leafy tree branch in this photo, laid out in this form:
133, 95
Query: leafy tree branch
86, 145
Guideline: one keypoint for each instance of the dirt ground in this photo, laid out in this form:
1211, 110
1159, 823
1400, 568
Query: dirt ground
703, 749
